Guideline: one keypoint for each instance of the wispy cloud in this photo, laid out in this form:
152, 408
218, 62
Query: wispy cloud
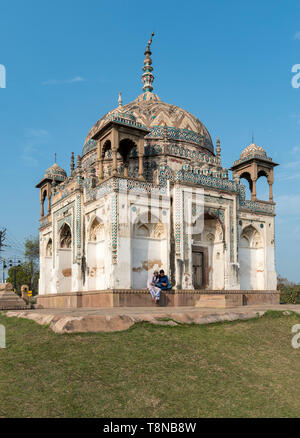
64, 81
296, 117
297, 36
291, 165
290, 170
295, 150
36, 133
33, 139
288, 204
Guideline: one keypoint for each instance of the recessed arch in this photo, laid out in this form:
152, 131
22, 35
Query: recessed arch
262, 186
49, 248
126, 145
106, 147
251, 259
96, 230
65, 237
148, 248
249, 185
251, 236
147, 225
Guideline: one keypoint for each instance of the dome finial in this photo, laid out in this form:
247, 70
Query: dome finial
147, 76
120, 99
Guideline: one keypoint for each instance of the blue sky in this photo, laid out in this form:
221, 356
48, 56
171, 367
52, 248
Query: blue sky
229, 63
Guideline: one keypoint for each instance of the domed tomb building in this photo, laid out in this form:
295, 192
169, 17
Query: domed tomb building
149, 192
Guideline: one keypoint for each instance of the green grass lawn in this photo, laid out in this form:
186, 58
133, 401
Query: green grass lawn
237, 369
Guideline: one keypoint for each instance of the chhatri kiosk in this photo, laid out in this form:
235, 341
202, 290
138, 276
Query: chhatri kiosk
148, 174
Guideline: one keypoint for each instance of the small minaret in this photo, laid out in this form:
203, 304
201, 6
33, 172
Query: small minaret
79, 162
72, 163
218, 150
147, 76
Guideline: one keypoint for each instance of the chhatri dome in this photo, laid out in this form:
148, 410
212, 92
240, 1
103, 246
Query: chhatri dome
55, 172
154, 114
253, 149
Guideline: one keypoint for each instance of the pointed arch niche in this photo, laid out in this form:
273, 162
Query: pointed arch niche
96, 254
251, 259
148, 249
65, 258
46, 263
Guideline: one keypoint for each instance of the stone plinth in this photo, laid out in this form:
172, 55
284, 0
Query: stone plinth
9, 299
142, 298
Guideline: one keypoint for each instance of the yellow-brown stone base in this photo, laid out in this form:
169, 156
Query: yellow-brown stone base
142, 298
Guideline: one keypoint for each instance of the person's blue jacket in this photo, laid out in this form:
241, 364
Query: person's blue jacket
164, 279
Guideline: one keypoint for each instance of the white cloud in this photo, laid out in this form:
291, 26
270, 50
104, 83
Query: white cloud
291, 165
36, 133
295, 150
297, 117
288, 205
297, 36
29, 155
64, 81
290, 177
33, 139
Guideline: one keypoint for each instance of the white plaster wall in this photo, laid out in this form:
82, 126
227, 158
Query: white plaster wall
47, 262
96, 266
251, 268
271, 276
218, 266
121, 275
245, 258
64, 261
147, 255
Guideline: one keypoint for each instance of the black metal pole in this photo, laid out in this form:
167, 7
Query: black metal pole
15, 278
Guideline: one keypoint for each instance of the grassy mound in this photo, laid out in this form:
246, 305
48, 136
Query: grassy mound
234, 369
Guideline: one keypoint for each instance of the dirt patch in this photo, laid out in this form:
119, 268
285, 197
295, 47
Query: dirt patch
147, 265
67, 272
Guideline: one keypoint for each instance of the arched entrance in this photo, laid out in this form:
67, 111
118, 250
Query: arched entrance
208, 255
251, 259
149, 249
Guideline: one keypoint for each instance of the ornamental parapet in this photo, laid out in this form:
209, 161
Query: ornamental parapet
253, 156
258, 206
45, 221
122, 184
208, 181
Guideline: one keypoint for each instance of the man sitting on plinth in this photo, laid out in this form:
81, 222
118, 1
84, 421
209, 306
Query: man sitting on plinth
163, 282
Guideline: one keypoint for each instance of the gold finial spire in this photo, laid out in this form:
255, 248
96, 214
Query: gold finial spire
147, 76
150, 42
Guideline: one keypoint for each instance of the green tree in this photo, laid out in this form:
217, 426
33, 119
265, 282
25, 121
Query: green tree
289, 291
28, 271
19, 275
32, 257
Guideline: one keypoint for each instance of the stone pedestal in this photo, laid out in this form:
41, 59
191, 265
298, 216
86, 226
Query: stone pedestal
9, 299
142, 298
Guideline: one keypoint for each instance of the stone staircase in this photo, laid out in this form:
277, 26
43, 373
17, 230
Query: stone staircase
9, 300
